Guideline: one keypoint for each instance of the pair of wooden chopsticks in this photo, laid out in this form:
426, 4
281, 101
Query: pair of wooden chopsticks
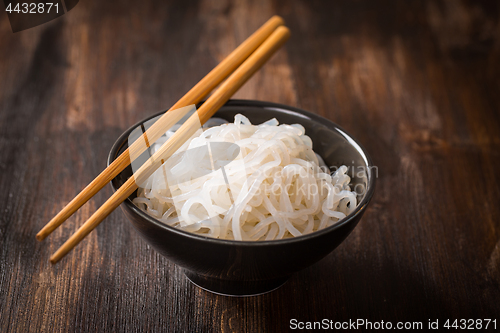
243, 62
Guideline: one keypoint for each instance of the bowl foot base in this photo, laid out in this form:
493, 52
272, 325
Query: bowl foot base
235, 288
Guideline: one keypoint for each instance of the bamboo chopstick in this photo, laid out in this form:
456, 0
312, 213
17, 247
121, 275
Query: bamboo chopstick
194, 96
213, 103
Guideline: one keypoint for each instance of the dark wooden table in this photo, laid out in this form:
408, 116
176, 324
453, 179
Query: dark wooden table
417, 82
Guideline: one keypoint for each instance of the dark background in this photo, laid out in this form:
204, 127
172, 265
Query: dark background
416, 82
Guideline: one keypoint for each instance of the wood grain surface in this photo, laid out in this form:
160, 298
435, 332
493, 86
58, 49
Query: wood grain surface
416, 82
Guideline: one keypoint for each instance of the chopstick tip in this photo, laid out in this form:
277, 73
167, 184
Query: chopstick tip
54, 259
278, 19
283, 30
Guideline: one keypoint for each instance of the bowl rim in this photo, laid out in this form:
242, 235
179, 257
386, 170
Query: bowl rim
120, 142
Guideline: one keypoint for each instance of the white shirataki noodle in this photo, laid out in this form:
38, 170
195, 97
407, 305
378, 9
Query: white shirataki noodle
283, 189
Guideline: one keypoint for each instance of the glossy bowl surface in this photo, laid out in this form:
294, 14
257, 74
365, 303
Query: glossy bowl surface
240, 268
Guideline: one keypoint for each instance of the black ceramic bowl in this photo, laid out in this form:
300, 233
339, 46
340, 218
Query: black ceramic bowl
248, 268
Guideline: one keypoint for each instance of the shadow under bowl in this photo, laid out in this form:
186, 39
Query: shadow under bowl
244, 268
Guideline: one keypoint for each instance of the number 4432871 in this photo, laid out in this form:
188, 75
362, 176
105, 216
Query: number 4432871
470, 324
33, 8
